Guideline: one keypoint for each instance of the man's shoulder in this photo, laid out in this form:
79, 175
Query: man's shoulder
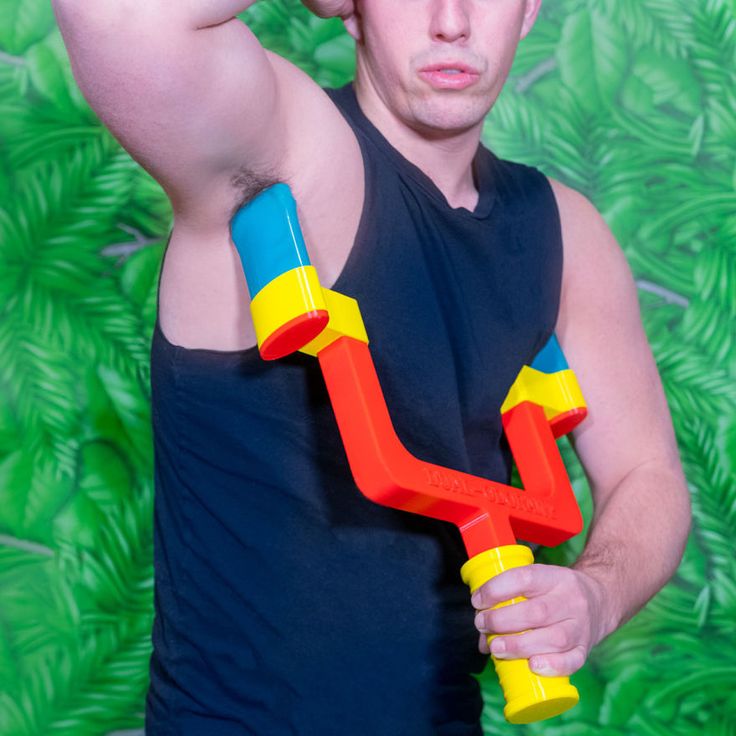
583, 226
593, 261
572, 201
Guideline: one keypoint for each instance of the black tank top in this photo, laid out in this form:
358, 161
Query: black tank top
286, 602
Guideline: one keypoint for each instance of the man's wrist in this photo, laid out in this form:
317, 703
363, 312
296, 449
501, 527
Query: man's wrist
606, 593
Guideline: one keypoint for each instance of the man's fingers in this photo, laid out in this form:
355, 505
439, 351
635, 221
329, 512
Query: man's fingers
527, 581
557, 665
528, 614
330, 8
560, 637
537, 646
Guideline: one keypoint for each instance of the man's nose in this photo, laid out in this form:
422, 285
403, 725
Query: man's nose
450, 20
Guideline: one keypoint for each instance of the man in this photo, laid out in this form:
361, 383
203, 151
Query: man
192, 95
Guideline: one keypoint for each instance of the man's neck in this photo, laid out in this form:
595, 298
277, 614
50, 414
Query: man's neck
446, 161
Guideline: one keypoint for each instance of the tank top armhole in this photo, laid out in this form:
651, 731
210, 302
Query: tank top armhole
351, 269
554, 216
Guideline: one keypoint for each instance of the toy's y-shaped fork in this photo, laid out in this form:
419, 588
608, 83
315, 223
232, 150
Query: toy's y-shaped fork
291, 312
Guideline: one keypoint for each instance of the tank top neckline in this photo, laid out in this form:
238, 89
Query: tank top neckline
485, 169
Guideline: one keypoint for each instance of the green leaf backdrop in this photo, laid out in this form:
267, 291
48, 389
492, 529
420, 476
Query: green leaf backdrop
632, 102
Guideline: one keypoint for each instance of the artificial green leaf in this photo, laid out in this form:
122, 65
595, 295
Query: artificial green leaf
23, 23
592, 58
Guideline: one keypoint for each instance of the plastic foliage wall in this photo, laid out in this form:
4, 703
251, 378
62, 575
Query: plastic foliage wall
631, 102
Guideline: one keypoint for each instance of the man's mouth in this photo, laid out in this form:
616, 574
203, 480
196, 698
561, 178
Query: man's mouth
450, 75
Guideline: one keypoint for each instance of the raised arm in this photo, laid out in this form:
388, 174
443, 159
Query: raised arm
186, 88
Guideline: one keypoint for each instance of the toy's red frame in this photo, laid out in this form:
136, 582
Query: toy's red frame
488, 514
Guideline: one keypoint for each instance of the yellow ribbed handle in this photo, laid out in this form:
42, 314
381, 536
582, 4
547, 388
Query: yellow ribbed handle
529, 697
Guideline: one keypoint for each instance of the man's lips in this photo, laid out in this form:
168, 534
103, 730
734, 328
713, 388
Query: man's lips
439, 66
449, 75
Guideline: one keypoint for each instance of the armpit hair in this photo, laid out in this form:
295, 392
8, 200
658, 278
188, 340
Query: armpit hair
248, 184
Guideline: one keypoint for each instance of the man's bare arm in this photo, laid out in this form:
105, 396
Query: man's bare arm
185, 87
627, 445
641, 517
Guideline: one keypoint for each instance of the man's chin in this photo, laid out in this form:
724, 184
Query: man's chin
441, 119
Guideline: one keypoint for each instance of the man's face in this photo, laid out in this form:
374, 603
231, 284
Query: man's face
399, 38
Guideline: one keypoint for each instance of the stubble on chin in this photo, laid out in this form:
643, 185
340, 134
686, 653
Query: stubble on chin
438, 113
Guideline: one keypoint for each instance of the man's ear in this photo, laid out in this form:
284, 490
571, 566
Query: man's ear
531, 11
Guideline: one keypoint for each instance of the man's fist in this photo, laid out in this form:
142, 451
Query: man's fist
565, 615
331, 8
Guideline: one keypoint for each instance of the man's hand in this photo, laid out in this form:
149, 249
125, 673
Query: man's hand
331, 8
566, 615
